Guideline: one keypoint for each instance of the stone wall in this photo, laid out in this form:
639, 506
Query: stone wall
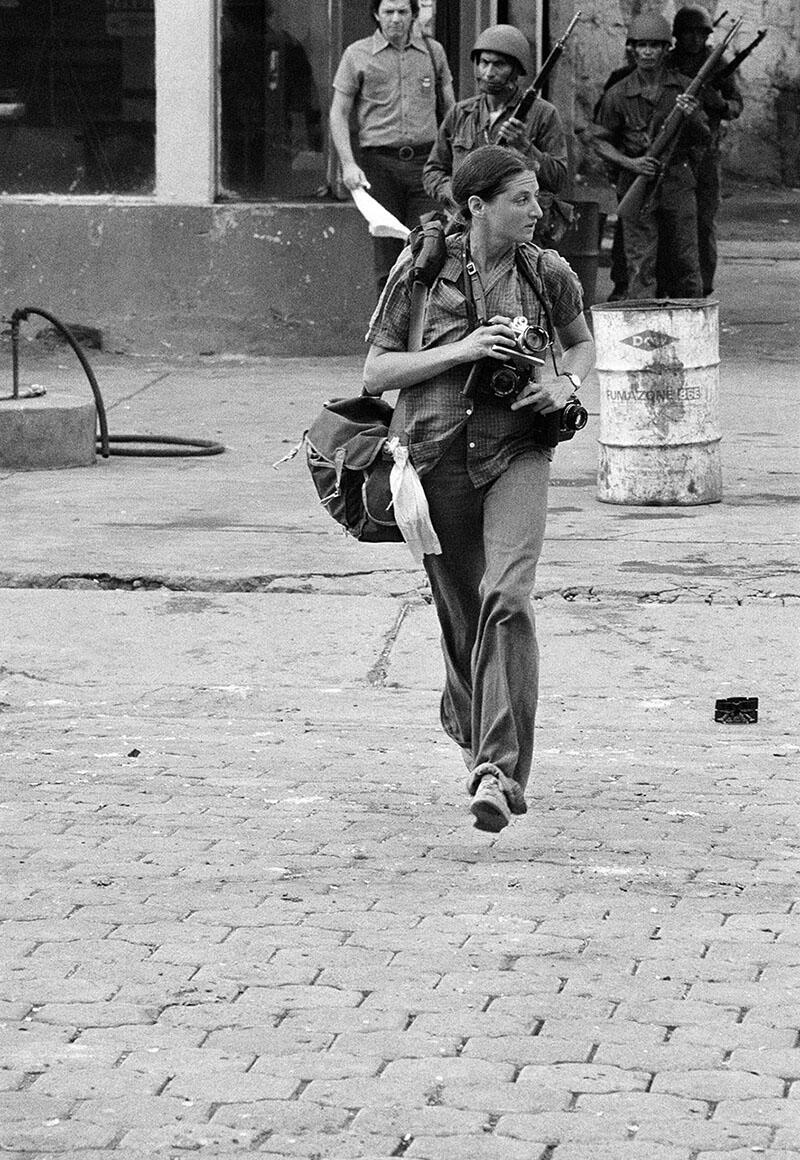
173, 280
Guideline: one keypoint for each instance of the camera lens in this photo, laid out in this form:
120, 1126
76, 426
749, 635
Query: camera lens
534, 339
574, 417
505, 382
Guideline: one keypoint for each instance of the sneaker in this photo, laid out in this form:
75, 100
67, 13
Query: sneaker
489, 805
515, 794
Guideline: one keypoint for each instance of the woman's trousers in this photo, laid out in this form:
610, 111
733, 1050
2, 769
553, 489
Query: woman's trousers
482, 584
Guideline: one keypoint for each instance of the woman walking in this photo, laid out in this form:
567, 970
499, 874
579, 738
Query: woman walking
484, 456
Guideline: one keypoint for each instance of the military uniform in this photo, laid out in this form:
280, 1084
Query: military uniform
479, 121
721, 102
470, 124
632, 115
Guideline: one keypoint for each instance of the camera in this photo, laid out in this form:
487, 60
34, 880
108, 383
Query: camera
573, 417
501, 383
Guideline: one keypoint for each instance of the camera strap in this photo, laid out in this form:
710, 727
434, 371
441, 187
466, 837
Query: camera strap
473, 291
535, 281
476, 299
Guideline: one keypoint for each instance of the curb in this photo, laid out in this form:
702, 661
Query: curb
760, 251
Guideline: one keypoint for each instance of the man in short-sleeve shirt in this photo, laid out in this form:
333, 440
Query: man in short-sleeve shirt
391, 79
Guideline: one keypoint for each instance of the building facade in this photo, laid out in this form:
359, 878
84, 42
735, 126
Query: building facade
166, 171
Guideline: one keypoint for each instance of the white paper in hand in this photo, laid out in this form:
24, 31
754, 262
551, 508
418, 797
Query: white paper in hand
382, 224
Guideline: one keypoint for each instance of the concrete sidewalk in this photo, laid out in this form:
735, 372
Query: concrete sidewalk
244, 913
234, 523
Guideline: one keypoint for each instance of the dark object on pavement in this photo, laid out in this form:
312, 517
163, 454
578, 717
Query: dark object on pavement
736, 710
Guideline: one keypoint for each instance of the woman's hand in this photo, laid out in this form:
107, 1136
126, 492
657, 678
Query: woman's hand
545, 397
479, 344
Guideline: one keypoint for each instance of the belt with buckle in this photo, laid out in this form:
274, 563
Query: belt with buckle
401, 152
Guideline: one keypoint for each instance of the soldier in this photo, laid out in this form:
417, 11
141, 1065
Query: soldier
721, 102
630, 116
501, 55
392, 78
619, 268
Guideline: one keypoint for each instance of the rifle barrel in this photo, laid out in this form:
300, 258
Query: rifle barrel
741, 56
533, 90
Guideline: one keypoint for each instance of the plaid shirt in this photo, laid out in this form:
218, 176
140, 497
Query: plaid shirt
436, 409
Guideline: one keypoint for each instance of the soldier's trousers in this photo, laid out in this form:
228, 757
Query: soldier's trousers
708, 199
669, 215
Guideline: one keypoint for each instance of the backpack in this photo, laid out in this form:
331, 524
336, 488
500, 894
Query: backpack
349, 465
346, 445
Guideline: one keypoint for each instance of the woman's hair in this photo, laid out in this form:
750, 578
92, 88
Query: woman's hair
375, 5
484, 173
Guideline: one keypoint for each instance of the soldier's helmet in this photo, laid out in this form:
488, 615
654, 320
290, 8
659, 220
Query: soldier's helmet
508, 41
650, 26
690, 18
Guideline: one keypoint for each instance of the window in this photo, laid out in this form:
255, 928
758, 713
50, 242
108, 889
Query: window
274, 97
78, 95
277, 58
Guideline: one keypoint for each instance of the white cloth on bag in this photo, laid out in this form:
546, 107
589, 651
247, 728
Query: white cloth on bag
411, 505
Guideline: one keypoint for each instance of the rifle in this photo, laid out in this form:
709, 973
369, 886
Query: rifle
667, 135
531, 93
730, 68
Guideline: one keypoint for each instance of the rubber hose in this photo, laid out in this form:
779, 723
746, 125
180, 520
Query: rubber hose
168, 445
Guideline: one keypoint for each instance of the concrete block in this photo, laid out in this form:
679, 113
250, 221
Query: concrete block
48, 432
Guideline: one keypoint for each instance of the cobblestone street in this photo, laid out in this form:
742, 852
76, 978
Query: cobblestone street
244, 919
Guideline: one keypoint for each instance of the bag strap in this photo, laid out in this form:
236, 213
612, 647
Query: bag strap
416, 321
473, 290
419, 301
